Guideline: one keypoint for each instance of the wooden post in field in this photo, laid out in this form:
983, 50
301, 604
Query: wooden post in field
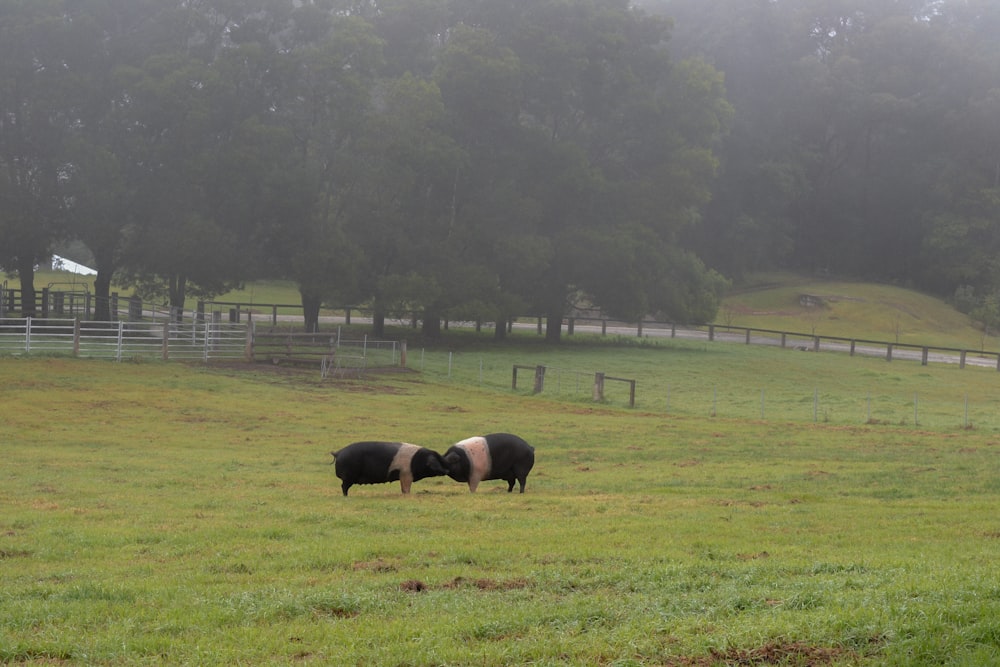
598, 387
402, 353
923, 356
539, 379
639, 329
888, 352
166, 340
961, 359
711, 332
248, 349
76, 337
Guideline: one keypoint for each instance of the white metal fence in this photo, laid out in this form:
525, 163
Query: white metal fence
123, 340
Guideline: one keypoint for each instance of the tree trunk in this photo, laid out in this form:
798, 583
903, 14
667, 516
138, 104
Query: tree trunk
102, 296
500, 329
432, 324
378, 323
177, 288
553, 328
310, 310
26, 270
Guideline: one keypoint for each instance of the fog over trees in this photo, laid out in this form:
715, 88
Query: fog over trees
485, 159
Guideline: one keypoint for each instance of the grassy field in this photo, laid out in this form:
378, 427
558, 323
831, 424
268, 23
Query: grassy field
169, 514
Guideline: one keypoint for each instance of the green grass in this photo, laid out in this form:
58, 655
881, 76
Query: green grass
173, 514
851, 310
734, 381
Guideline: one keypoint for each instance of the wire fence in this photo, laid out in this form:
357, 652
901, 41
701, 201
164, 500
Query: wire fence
214, 340
879, 406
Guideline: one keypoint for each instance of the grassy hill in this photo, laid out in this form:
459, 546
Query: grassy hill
850, 309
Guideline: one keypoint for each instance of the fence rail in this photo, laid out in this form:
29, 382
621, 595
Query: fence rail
123, 340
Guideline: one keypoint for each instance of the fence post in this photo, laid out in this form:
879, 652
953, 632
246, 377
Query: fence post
604, 330
815, 343
165, 352
121, 331
27, 335
748, 336
539, 379
783, 339
402, 353
598, 387
45, 302
248, 349
570, 325
888, 352
961, 359
631, 394
923, 357
711, 332
639, 329
852, 348
76, 337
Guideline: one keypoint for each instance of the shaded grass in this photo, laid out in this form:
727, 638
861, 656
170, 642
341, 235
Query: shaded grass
176, 514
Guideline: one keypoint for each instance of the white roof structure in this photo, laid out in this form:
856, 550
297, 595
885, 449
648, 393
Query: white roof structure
63, 264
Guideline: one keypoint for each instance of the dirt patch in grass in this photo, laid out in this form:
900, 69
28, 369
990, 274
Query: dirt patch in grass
413, 586
776, 653
482, 584
377, 565
290, 373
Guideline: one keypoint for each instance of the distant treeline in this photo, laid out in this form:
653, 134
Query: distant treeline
469, 159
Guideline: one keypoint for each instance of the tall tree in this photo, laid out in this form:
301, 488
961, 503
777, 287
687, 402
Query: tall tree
33, 122
598, 120
328, 72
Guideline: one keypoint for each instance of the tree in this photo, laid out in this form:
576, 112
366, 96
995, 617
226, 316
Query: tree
607, 135
33, 121
328, 74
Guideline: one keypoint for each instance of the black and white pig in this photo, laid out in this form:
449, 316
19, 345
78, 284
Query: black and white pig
494, 456
375, 462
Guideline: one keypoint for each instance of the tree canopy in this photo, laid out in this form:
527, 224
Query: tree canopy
466, 158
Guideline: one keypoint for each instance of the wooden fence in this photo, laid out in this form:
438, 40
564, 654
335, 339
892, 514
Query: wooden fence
599, 380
